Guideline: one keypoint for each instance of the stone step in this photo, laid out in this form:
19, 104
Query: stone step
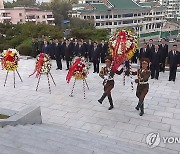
5, 149
62, 140
74, 139
50, 139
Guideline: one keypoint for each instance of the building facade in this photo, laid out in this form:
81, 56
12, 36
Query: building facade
172, 8
24, 14
112, 14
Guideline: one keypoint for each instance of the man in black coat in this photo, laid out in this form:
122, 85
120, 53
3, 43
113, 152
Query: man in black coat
174, 62
90, 49
76, 48
45, 47
51, 49
40, 45
150, 48
155, 59
62, 48
81, 49
144, 53
164, 54
68, 54
34, 48
96, 57
58, 55
104, 50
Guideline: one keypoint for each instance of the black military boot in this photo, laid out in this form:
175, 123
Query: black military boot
137, 107
102, 98
110, 102
142, 110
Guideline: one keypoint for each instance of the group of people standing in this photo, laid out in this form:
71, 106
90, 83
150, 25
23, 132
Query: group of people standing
159, 55
67, 49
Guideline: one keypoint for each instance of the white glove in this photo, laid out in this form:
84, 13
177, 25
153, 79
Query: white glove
106, 77
132, 80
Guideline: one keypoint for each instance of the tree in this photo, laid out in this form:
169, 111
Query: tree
60, 10
26, 3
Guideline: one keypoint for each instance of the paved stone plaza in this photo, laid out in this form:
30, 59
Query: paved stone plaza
162, 105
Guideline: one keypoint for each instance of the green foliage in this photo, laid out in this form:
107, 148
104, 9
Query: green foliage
25, 48
93, 34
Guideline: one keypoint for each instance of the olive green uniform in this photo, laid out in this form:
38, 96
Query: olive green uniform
142, 87
108, 76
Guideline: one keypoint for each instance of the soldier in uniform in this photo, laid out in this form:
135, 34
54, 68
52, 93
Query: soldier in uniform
107, 74
143, 75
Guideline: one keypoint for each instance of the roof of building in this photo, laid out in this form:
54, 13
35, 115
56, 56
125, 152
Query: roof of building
151, 4
79, 5
26, 8
125, 4
100, 6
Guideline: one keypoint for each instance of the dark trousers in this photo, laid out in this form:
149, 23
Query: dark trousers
59, 62
172, 74
162, 68
68, 63
155, 71
96, 66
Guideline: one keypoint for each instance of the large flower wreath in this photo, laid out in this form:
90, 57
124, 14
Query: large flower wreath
123, 45
43, 64
79, 69
10, 59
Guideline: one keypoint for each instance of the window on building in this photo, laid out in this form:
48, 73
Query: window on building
102, 17
84, 17
139, 14
97, 24
115, 23
43, 17
107, 23
50, 16
127, 15
135, 15
127, 21
110, 23
119, 23
135, 21
97, 17
37, 17
21, 20
20, 14
110, 16
115, 16
102, 23
119, 16
106, 16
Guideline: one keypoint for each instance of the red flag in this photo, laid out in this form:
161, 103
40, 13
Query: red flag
72, 69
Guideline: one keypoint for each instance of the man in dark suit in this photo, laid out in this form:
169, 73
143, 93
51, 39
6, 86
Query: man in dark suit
81, 49
90, 48
155, 60
58, 55
34, 48
96, 57
164, 53
150, 48
68, 54
62, 47
104, 50
76, 47
45, 47
40, 45
174, 62
51, 49
144, 53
